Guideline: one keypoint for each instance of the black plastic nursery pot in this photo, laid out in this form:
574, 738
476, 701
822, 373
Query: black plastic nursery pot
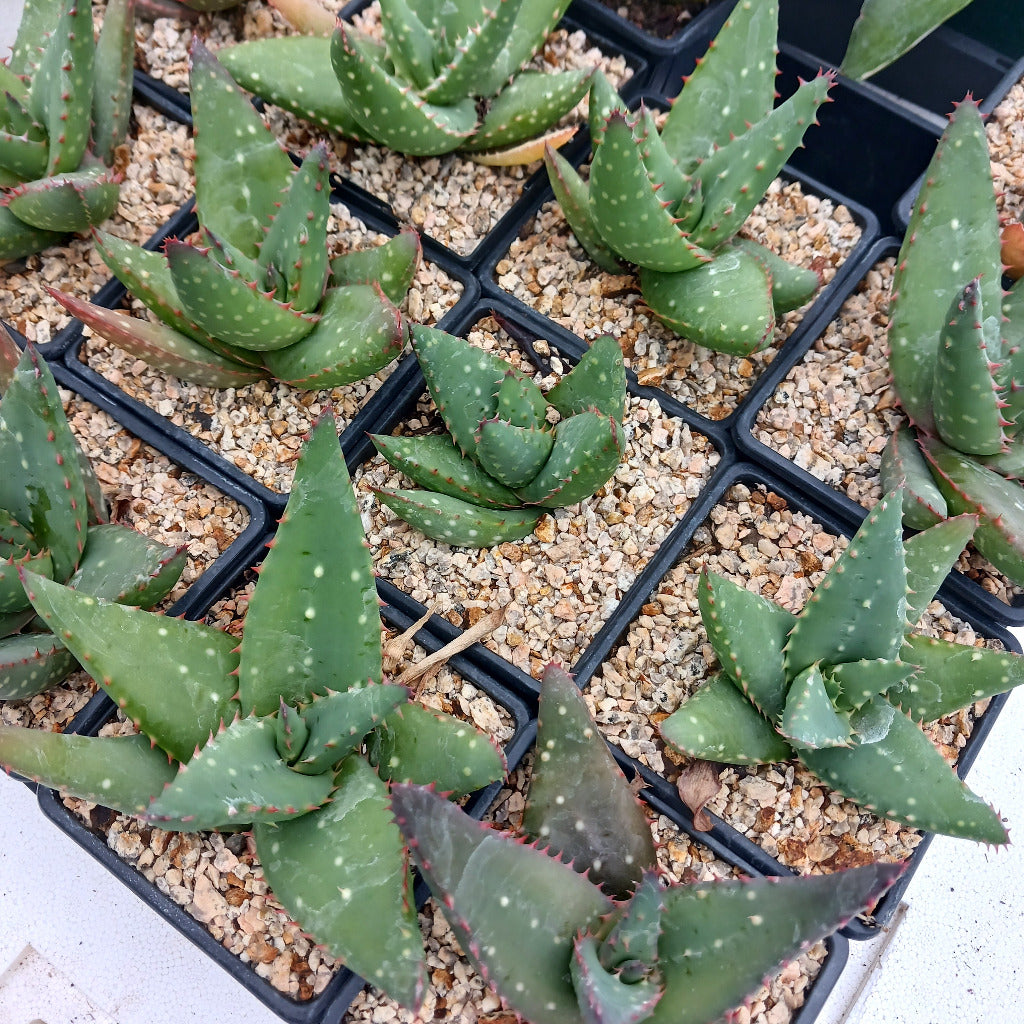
692, 543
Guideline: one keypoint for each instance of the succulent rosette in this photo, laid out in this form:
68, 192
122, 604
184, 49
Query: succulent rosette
505, 460
573, 925
956, 342
54, 523
670, 199
66, 101
293, 733
843, 684
257, 295
448, 76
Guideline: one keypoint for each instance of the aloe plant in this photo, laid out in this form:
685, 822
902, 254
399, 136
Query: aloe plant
843, 684
956, 355
66, 101
53, 522
504, 463
671, 200
447, 77
267, 734
887, 29
258, 295
564, 944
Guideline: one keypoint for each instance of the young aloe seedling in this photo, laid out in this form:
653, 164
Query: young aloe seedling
66, 101
504, 462
257, 296
563, 944
843, 684
53, 522
267, 734
957, 355
447, 77
671, 201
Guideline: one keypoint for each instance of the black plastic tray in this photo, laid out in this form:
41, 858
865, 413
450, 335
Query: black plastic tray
866, 152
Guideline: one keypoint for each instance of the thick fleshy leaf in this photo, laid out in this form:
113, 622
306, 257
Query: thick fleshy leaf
313, 622
597, 381
112, 90
42, 488
791, 286
12, 593
163, 347
514, 909
626, 209
237, 778
18, 239
460, 523
358, 333
604, 997
388, 111
31, 663
172, 677
69, 201
966, 403
432, 461
719, 939
968, 486
227, 306
736, 176
859, 610
573, 195
121, 564
342, 872
857, 682
526, 107
930, 555
809, 720
580, 806
731, 88
952, 676
748, 633
886, 29
463, 381
512, 455
235, 204
392, 265
120, 772
954, 213
336, 724
903, 777
417, 745
719, 724
903, 467
586, 452
725, 305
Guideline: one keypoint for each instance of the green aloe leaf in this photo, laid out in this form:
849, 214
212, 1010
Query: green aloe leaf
112, 90
725, 305
514, 909
859, 610
627, 211
886, 29
31, 663
342, 871
172, 677
718, 723
748, 633
605, 997
930, 556
313, 622
392, 265
432, 461
460, 523
237, 778
809, 720
513, 455
237, 214
66, 201
903, 777
120, 772
597, 381
415, 744
903, 467
952, 676
580, 806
